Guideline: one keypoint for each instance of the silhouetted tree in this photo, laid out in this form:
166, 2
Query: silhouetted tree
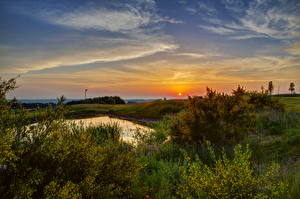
6, 86
270, 87
292, 88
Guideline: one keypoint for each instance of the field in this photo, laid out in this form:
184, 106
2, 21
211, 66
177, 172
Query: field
150, 110
292, 103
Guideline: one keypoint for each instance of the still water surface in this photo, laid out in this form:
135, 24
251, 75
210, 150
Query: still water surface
128, 128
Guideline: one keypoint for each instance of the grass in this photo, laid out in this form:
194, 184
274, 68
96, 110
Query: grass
292, 103
149, 110
277, 147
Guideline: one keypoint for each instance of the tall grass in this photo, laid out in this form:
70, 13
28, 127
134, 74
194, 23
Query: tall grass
106, 132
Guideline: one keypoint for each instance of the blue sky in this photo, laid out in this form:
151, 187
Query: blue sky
148, 48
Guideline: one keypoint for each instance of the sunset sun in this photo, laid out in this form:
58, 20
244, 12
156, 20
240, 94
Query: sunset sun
179, 94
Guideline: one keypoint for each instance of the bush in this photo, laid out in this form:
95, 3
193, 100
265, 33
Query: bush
261, 101
157, 178
72, 161
219, 118
53, 159
230, 178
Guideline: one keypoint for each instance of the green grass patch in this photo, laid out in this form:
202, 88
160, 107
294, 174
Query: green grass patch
291, 103
149, 110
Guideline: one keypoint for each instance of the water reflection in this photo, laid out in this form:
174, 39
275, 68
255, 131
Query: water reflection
128, 128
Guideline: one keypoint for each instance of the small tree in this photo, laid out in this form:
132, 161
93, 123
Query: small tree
270, 87
292, 88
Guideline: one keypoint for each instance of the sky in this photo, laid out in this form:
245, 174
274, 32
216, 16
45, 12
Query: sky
148, 48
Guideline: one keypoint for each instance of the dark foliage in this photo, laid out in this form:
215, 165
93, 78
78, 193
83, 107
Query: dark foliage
100, 100
221, 118
288, 95
56, 159
32, 105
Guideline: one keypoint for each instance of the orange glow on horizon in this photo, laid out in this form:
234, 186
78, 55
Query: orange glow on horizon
179, 94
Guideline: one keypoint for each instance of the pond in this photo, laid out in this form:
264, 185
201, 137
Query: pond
128, 128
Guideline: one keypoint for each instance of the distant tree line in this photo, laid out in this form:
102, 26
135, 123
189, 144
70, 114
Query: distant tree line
288, 95
16, 104
100, 100
32, 105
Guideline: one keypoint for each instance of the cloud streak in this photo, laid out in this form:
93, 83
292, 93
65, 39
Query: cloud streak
102, 19
137, 32
192, 55
100, 50
258, 19
125, 18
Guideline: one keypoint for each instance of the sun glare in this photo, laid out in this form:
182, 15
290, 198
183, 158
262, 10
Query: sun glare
179, 94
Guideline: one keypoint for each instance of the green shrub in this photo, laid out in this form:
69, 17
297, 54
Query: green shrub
157, 178
53, 159
158, 135
230, 178
73, 161
262, 101
219, 118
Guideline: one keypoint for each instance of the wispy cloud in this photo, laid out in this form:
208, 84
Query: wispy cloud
257, 19
96, 49
200, 7
191, 10
127, 18
205, 8
168, 19
193, 55
218, 29
234, 6
101, 19
294, 49
137, 32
